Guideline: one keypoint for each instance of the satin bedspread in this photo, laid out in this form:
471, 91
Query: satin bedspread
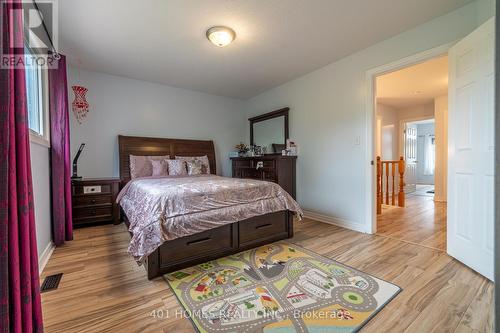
164, 208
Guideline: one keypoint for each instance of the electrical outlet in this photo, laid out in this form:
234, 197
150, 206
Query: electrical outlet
357, 140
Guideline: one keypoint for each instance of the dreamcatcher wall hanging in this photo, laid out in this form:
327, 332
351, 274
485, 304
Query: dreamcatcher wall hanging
80, 104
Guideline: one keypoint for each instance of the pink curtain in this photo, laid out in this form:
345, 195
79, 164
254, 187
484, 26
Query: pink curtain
62, 220
20, 307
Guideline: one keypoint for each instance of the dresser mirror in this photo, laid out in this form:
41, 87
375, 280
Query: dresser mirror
270, 131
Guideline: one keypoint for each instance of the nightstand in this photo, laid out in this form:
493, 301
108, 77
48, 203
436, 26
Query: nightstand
94, 201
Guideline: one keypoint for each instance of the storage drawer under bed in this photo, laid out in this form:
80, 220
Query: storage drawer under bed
219, 242
259, 228
198, 245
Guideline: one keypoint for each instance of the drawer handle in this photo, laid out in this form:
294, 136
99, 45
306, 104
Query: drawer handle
198, 241
92, 201
263, 226
93, 212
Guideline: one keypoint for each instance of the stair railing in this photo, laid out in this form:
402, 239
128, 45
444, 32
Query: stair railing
390, 173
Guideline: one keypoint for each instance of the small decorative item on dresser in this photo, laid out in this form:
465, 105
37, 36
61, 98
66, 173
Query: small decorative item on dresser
94, 201
255, 150
242, 148
291, 148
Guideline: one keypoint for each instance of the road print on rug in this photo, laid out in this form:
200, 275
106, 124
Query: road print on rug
279, 288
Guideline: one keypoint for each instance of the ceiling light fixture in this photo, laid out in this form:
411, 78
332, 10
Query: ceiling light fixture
221, 36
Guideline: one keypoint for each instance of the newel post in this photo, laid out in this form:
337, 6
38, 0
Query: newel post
401, 194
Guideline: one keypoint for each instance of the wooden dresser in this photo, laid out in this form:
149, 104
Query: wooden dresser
275, 168
94, 201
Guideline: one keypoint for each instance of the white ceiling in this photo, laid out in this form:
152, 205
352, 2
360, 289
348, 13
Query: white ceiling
414, 85
277, 40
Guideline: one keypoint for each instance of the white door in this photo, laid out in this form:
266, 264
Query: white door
410, 136
470, 150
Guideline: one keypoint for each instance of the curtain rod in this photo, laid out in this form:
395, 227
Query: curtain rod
45, 28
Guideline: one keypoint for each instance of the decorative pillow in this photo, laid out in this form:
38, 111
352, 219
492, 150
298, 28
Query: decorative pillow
140, 166
177, 167
160, 168
194, 167
203, 159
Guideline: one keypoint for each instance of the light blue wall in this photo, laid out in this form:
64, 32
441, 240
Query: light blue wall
119, 105
485, 10
328, 118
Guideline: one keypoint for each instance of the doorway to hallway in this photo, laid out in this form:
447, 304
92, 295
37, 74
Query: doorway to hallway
411, 148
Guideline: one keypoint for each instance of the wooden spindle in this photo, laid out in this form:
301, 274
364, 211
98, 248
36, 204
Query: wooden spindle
401, 194
386, 183
393, 174
379, 186
381, 182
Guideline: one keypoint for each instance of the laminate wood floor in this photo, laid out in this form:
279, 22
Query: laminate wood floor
104, 290
422, 222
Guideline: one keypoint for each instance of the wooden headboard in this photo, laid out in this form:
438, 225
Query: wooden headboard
135, 145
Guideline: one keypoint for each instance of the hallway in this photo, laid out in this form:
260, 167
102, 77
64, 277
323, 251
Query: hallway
421, 222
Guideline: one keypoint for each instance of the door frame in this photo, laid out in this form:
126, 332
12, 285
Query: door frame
370, 109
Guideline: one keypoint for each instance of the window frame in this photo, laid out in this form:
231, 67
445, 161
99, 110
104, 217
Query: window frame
44, 138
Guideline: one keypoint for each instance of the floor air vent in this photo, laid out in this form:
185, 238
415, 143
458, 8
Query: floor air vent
51, 282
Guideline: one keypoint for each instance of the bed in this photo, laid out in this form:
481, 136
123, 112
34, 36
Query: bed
208, 239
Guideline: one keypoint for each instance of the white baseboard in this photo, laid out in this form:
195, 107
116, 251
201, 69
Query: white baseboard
43, 259
335, 221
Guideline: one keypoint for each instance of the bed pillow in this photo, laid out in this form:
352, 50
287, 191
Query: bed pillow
203, 159
194, 167
141, 166
160, 168
177, 167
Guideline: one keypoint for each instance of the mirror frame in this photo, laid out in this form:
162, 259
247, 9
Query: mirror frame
270, 115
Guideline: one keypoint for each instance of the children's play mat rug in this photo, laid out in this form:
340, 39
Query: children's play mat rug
278, 288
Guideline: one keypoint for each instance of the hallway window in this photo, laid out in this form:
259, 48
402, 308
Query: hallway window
430, 155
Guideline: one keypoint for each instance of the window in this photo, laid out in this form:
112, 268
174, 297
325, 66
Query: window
36, 101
